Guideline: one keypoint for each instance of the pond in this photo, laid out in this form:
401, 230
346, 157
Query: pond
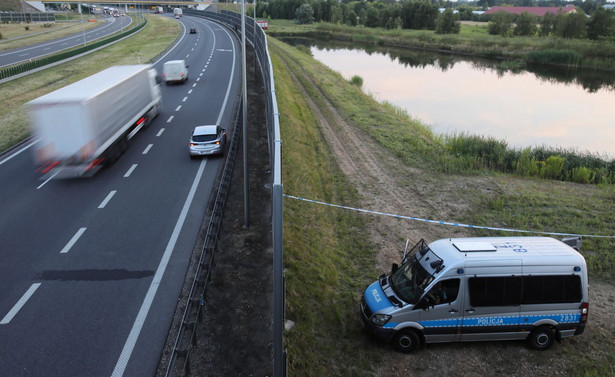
464, 95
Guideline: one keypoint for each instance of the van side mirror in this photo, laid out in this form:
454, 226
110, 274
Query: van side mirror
394, 267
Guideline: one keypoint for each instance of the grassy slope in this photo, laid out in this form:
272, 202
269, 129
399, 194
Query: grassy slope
143, 47
326, 256
323, 276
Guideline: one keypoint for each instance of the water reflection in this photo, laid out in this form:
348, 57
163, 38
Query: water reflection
525, 107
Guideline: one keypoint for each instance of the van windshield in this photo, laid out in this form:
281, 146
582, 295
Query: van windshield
410, 280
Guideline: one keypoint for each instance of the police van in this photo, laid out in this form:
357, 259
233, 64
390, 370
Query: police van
471, 289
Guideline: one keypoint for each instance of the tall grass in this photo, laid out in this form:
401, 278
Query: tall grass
474, 152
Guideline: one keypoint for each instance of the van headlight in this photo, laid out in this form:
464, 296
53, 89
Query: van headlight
380, 319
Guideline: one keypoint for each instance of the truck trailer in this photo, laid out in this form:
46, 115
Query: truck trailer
177, 12
88, 124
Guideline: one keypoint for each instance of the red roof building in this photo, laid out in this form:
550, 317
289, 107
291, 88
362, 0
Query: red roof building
538, 11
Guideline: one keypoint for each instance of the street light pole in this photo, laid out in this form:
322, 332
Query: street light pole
245, 117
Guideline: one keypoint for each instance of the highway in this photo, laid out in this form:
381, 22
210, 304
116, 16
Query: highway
92, 268
109, 26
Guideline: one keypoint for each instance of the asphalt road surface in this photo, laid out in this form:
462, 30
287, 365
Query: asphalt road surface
92, 268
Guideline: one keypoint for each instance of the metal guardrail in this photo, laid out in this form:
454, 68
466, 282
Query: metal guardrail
186, 337
19, 70
256, 36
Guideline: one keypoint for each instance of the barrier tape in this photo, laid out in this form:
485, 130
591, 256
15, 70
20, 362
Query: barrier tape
444, 222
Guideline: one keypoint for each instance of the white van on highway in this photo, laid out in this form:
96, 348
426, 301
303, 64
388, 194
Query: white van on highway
175, 71
470, 289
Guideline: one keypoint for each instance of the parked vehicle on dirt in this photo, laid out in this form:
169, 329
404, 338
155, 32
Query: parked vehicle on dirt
470, 289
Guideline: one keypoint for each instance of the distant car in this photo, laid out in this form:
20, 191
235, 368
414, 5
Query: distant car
175, 71
193, 30
207, 140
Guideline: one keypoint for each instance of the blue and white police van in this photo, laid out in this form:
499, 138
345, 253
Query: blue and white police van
471, 289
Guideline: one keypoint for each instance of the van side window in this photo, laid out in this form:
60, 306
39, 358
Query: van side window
443, 292
495, 291
551, 289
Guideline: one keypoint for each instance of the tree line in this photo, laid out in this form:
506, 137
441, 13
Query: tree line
590, 21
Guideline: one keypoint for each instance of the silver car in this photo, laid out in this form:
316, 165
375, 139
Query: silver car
207, 140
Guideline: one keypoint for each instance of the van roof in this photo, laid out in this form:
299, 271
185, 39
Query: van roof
537, 249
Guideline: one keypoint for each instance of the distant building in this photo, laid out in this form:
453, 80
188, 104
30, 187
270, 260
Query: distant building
538, 11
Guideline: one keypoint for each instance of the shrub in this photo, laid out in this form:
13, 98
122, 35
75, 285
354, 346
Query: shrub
582, 175
356, 81
553, 167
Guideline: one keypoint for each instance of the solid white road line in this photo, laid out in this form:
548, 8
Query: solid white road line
153, 288
22, 301
72, 241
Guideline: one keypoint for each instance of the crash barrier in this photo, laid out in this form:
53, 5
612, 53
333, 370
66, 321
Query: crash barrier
257, 38
10, 17
28, 67
193, 312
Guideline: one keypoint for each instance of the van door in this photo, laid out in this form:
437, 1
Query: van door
440, 311
491, 308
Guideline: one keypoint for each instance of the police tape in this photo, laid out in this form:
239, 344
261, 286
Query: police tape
444, 222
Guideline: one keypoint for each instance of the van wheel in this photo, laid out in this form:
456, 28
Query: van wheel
541, 338
406, 341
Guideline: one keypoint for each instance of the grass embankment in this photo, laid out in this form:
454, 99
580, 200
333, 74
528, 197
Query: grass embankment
325, 251
141, 48
472, 40
328, 259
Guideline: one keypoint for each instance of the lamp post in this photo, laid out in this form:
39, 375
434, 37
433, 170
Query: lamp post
245, 117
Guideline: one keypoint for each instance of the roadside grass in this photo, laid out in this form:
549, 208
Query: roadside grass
327, 257
471, 40
143, 47
325, 274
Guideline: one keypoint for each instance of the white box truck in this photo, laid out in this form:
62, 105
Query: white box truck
483, 288
85, 125
177, 12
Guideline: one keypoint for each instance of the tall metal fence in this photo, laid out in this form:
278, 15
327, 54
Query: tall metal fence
10, 17
257, 38
50, 60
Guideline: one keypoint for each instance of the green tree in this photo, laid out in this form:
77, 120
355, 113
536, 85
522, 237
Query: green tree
601, 24
373, 17
500, 24
448, 22
304, 14
571, 25
526, 25
419, 15
547, 25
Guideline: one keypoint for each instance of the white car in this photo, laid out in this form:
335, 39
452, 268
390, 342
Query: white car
207, 140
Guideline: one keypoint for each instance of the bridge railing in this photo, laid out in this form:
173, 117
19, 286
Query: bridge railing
257, 38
